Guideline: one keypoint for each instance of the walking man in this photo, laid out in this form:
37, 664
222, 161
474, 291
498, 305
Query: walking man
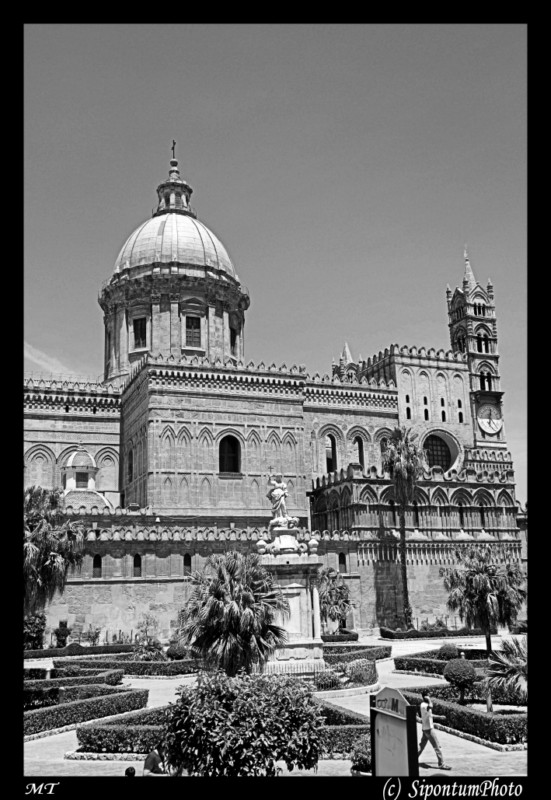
429, 734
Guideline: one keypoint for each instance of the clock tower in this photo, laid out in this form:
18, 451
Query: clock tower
473, 330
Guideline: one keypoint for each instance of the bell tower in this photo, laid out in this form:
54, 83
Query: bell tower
473, 330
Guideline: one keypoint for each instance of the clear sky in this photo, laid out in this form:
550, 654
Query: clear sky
343, 166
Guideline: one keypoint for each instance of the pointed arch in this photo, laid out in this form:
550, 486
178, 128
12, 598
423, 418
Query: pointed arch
504, 498
421, 496
483, 497
205, 454
387, 495
205, 493
166, 492
167, 442
368, 496
107, 477
39, 463
254, 493
439, 497
183, 492
357, 430
462, 497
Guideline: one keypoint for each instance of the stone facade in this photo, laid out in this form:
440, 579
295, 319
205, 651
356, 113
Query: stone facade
183, 435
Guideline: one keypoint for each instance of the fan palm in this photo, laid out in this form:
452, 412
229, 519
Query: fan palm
483, 591
404, 462
229, 617
333, 595
51, 547
508, 668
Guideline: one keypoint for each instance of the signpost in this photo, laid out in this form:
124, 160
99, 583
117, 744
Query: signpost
393, 735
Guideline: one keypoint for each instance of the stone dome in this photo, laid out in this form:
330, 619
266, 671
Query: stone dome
174, 238
81, 458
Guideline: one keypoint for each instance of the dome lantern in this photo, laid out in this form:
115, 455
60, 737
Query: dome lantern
175, 193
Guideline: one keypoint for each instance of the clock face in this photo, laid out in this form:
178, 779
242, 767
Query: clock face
489, 418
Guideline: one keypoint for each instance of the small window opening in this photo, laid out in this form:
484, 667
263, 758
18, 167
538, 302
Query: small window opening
82, 480
193, 332
137, 566
96, 567
187, 564
139, 332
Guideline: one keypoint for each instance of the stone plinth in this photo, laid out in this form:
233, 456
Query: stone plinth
295, 573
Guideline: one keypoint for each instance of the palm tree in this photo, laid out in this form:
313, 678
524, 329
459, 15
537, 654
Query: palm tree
483, 591
333, 595
404, 462
51, 546
229, 617
509, 667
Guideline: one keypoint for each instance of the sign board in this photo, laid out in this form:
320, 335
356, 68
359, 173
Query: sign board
393, 735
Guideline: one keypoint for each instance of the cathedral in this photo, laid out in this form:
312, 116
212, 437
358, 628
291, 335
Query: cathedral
168, 458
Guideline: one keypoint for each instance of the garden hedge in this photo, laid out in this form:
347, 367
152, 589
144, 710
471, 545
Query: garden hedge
45, 696
494, 727
43, 719
369, 653
139, 733
75, 649
429, 662
438, 633
477, 694
111, 677
350, 636
184, 667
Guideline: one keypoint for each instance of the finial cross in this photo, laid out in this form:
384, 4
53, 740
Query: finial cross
173, 148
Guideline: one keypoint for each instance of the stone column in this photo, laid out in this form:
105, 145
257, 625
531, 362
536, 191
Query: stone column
155, 323
123, 349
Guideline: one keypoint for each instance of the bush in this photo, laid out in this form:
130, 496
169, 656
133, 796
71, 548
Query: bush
362, 672
40, 698
429, 661
441, 633
476, 694
361, 753
184, 667
343, 636
50, 696
177, 651
43, 719
111, 677
34, 626
241, 726
503, 729
368, 653
324, 681
62, 634
447, 652
78, 649
461, 675
365, 651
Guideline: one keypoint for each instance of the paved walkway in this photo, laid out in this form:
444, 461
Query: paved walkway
45, 756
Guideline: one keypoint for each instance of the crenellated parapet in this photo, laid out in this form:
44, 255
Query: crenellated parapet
52, 395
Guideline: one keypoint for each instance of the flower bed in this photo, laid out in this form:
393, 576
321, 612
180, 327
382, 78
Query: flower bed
58, 716
110, 677
494, 727
341, 654
75, 649
184, 667
437, 633
140, 732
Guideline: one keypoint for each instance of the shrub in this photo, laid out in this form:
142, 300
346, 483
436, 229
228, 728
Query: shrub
56, 652
429, 661
368, 653
476, 694
111, 677
361, 753
241, 726
40, 698
441, 633
149, 650
342, 636
447, 652
62, 634
503, 729
184, 667
177, 651
362, 672
43, 719
327, 680
34, 626
461, 675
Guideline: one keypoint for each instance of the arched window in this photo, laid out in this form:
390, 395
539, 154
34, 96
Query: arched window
360, 450
479, 343
438, 452
330, 453
130, 471
187, 564
443, 416
230, 454
416, 513
342, 562
442, 402
408, 412
482, 516
425, 401
461, 514
407, 398
459, 404
137, 566
460, 416
96, 567
426, 414
392, 505
486, 342
384, 444
233, 341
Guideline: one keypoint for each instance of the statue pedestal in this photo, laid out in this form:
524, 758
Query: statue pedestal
295, 573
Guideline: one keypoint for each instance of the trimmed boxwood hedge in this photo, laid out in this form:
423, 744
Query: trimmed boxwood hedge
184, 667
111, 677
139, 733
75, 649
422, 663
387, 633
369, 653
349, 636
43, 719
494, 727
475, 695
44, 696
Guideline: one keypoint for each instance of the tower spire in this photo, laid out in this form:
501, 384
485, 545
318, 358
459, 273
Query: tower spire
468, 277
175, 192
